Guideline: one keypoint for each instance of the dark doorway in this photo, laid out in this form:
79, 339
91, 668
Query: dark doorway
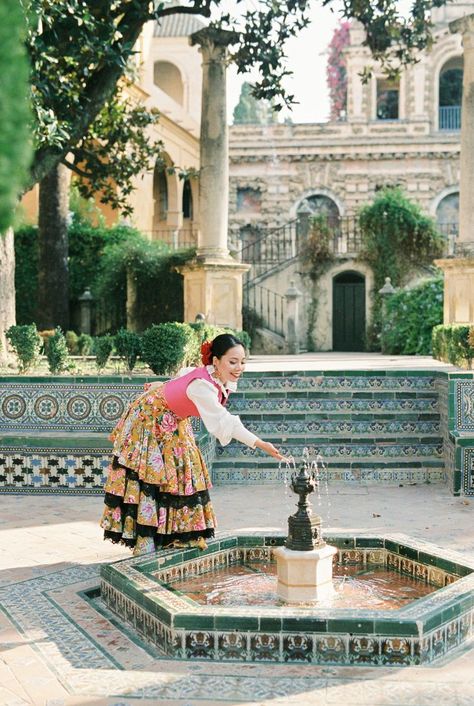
348, 312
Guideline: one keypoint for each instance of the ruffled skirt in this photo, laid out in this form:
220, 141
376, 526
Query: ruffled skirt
157, 487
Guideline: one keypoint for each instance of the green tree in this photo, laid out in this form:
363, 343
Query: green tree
15, 146
80, 49
251, 111
397, 238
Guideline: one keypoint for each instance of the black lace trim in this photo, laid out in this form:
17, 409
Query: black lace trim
160, 540
166, 500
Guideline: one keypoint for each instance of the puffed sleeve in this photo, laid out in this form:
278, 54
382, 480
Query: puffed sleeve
217, 420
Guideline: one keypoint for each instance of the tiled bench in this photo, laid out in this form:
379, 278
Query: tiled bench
54, 431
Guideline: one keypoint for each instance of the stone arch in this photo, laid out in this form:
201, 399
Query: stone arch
168, 77
165, 193
446, 212
319, 201
187, 200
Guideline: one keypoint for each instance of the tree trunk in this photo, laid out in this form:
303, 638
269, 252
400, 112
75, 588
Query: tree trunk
7, 289
53, 274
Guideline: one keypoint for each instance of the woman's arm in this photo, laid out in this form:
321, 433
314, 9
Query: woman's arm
221, 423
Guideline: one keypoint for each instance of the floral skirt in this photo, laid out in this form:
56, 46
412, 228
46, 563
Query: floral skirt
157, 487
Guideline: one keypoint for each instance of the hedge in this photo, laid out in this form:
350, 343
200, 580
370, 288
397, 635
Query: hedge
409, 318
454, 343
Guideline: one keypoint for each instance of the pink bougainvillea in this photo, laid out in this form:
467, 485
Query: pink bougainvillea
336, 71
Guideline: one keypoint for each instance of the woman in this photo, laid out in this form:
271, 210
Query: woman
157, 489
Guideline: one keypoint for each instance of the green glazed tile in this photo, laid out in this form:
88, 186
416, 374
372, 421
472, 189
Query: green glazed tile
240, 622
194, 621
352, 626
396, 628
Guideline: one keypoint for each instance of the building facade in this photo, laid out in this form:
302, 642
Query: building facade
404, 133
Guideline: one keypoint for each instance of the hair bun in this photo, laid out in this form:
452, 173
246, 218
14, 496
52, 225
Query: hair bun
206, 352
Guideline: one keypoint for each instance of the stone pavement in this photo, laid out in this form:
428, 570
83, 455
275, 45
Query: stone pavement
59, 649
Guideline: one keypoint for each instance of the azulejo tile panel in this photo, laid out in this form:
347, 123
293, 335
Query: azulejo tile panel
66, 406
53, 469
467, 461
427, 628
464, 397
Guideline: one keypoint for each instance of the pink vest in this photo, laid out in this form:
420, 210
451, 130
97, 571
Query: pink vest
174, 392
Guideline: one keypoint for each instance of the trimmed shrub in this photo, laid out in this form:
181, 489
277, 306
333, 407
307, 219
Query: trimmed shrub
453, 344
410, 317
85, 344
128, 346
57, 352
167, 347
72, 340
26, 343
102, 349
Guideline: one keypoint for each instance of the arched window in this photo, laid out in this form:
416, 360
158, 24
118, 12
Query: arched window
167, 76
187, 200
450, 94
160, 195
447, 217
320, 204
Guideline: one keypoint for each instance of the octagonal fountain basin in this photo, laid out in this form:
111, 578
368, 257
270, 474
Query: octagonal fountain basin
396, 601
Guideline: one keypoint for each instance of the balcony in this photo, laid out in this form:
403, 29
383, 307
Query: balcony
449, 118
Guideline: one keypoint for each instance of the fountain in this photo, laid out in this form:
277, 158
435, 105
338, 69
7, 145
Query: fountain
266, 597
304, 564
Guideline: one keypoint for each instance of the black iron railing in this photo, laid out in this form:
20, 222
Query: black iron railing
269, 305
274, 246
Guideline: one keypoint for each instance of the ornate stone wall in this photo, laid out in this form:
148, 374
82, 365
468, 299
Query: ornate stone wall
350, 159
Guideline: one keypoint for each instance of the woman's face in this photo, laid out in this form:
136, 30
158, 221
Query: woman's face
231, 365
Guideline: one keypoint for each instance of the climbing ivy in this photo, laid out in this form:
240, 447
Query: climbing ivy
316, 255
397, 238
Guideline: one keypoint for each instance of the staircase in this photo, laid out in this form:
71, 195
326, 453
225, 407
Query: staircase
368, 426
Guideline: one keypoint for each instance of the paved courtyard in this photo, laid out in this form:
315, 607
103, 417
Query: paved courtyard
59, 646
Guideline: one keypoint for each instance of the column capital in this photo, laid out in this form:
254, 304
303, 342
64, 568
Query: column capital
213, 37
463, 25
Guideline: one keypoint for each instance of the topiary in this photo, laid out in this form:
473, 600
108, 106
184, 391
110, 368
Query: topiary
128, 346
26, 343
72, 342
85, 344
102, 349
57, 352
167, 347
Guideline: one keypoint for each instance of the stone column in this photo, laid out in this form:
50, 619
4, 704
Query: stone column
459, 271
213, 281
292, 295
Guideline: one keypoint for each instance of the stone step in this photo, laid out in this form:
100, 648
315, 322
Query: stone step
336, 449
308, 429
338, 381
399, 472
269, 406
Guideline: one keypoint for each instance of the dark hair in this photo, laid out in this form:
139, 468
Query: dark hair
222, 343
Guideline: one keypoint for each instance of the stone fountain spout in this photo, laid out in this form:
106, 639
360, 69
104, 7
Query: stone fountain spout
304, 564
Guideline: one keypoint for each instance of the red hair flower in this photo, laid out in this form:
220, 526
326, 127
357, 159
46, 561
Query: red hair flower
206, 352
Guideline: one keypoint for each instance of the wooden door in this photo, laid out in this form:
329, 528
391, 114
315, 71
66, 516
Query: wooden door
348, 313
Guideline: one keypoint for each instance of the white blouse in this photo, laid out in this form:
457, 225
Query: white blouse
217, 420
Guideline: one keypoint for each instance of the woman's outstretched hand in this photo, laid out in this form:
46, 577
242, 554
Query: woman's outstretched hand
269, 449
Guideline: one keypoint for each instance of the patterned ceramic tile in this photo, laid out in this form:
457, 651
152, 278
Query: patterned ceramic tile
351, 637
